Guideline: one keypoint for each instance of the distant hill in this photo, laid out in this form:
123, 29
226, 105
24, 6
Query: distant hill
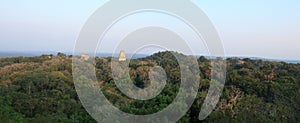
24, 54
10, 54
4, 54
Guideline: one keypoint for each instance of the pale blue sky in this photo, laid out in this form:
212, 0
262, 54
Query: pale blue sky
269, 28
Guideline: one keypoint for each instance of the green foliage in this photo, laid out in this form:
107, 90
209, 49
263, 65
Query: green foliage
41, 89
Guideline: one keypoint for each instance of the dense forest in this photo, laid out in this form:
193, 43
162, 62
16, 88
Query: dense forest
41, 89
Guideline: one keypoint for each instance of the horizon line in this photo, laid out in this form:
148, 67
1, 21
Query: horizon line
38, 53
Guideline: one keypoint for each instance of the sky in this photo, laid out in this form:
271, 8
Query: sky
269, 28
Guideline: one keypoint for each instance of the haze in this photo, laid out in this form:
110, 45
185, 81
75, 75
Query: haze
247, 28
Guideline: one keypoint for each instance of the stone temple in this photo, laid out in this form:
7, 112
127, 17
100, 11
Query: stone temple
122, 56
85, 57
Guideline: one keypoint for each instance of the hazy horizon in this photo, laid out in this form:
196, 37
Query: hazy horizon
5, 54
